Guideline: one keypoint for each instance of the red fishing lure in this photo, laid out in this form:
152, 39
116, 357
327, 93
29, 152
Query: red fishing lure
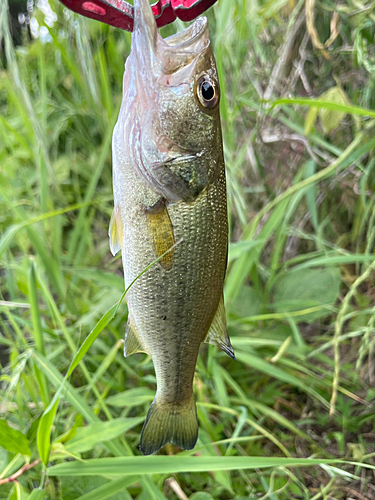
119, 13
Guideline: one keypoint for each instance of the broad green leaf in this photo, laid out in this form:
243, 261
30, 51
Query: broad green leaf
145, 495
44, 431
172, 464
331, 118
87, 437
310, 120
132, 397
111, 490
18, 493
223, 478
307, 288
13, 440
14, 464
94, 488
201, 495
245, 342
3, 458
37, 494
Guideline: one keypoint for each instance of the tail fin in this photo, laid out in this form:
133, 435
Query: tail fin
165, 423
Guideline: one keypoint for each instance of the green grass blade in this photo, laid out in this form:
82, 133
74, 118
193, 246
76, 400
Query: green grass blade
44, 432
124, 466
337, 260
75, 399
12, 230
76, 234
35, 313
321, 104
257, 363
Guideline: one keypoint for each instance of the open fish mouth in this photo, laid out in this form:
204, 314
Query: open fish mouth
166, 54
189, 36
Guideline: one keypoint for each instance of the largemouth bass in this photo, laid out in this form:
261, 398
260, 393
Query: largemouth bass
169, 192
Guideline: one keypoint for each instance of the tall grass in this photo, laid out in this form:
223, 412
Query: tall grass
298, 125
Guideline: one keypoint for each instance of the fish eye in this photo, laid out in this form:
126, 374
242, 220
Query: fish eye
208, 92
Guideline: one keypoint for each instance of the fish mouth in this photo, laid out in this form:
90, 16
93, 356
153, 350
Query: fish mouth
166, 55
190, 36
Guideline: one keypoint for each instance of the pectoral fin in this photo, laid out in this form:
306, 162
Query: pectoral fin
133, 343
217, 334
116, 233
161, 232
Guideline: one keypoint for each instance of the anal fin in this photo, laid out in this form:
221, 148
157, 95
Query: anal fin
133, 343
218, 334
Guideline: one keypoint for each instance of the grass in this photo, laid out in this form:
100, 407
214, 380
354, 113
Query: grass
298, 130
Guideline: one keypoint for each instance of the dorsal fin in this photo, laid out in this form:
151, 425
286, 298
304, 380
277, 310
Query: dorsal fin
218, 334
133, 343
116, 233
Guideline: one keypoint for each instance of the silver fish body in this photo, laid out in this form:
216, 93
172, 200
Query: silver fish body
170, 194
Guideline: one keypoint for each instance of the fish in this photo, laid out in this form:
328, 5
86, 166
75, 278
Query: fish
170, 204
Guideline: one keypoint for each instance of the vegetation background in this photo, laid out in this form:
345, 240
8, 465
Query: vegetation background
300, 284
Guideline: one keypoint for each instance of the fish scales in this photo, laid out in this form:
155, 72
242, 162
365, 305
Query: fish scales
186, 307
169, 191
